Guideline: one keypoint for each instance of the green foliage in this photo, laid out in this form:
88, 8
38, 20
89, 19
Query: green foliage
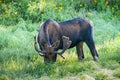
101, 76
11, 11
4, 38
117, 74
4, 77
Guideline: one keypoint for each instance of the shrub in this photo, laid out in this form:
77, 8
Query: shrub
12, 10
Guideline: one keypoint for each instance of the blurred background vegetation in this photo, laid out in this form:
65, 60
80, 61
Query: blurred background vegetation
12, 11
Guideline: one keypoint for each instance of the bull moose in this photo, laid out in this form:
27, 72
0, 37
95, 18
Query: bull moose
54, 35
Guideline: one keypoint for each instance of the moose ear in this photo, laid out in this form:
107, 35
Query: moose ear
56, 44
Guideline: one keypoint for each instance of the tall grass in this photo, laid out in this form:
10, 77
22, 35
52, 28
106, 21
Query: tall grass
18, 59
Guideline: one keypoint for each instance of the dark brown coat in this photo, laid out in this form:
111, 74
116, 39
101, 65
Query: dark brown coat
50, 37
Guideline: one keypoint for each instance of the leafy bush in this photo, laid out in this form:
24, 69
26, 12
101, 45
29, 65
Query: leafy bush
35, 11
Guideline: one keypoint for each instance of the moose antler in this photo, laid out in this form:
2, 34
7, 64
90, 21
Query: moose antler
66, 44
36, 47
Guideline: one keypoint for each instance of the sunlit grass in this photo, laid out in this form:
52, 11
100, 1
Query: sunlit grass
19, 60
117, 74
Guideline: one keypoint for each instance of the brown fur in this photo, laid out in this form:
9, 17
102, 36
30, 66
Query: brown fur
77, 30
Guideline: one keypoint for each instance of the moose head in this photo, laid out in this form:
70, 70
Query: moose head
49, 53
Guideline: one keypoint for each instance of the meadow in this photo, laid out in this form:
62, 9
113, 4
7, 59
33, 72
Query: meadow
19, 60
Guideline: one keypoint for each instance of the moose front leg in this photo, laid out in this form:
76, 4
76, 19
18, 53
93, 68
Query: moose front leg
79, 49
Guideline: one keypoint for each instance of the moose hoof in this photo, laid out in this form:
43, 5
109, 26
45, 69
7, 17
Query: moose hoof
80, 58
96, 58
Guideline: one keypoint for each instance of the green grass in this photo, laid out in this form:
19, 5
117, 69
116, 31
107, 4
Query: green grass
19, 60
117, 74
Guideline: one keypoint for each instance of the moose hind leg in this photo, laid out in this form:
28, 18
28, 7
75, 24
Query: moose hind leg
79, 49
91, 45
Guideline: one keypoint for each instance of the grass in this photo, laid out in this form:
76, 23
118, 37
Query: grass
117, 74
18, 59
